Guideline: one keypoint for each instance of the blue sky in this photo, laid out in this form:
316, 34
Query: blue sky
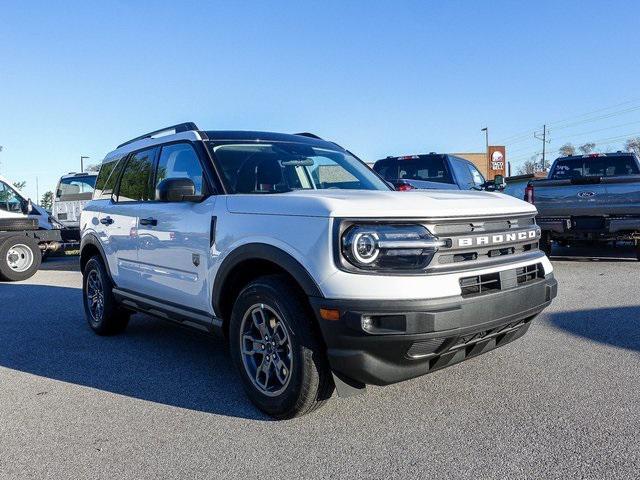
380, 78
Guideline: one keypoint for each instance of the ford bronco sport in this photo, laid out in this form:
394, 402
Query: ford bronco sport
318, 273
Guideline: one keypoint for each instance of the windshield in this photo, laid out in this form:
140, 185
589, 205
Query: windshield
76, 187
424, 168
604, 166
283, 167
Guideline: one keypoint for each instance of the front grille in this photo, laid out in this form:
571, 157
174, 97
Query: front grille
422, 348
529, 273
493, 282
486, 225
480, 284
470, 344
483, 242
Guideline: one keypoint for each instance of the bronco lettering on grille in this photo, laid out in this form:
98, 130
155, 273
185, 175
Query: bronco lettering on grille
497, 238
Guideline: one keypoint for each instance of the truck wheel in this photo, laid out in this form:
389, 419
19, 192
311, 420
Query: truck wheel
275, 346
103, 313
545, 244
20, 258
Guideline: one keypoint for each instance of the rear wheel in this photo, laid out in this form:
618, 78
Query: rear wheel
20, 258
276, 348
545, 243
104, 315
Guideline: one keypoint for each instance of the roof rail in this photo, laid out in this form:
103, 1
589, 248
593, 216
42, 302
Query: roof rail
310, 135
180, 127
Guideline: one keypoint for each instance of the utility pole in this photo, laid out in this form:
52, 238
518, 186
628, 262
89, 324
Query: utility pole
544, 145
82, 158
486, 140
37, 192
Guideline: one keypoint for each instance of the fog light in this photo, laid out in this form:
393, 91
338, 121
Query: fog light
366, 322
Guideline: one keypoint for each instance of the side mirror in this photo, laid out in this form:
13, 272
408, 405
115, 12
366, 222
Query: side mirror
177, 190
499, 182
27, 207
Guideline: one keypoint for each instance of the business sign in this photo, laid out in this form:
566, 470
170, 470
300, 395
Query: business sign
497, 161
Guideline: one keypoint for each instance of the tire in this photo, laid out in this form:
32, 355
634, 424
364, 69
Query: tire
18, 224
305, 381
545, 244
108, 318
20, 258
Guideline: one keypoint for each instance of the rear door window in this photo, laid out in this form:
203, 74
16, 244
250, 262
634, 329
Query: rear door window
107, 178
136, 177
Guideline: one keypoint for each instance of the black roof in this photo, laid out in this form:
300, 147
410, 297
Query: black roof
255, 136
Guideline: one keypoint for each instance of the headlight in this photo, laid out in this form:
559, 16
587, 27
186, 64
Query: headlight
388, 246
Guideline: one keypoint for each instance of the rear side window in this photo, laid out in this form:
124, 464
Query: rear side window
463, 174
10, 201
136, 177
430, 168
76, 188
180, 161
107, 178
603, 166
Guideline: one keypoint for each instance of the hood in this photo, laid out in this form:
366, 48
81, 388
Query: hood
379, 204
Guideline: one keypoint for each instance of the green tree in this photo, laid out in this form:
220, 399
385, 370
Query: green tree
47, 200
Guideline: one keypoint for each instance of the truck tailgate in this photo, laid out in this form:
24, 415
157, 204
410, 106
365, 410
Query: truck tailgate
600, 196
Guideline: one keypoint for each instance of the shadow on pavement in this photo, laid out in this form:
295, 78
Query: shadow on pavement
616, 326
595, 253
43, 332
62, 264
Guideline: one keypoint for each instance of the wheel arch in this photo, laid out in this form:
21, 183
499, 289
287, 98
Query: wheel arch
250, 261
89, 247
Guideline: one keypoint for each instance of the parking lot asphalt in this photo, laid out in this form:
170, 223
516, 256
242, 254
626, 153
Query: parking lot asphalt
160, 401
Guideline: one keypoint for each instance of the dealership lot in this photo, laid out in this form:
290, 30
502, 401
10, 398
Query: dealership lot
162, 401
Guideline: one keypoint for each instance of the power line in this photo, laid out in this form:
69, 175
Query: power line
518, 137
531, 153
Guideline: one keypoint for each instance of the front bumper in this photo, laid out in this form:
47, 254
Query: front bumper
410, 338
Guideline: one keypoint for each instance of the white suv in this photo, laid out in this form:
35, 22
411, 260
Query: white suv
313, 268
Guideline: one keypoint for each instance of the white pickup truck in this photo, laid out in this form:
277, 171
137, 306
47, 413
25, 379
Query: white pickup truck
314, 269
27, 233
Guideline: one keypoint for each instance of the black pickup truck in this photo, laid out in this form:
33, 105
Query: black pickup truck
593, 198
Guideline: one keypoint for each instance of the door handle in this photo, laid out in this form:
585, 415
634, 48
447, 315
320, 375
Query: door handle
106, 221
149, 221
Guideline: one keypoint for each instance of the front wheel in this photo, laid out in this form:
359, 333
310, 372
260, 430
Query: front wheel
275, 346
104, 315
20, 258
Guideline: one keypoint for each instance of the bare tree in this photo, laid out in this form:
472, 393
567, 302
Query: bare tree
633, 145
567, 150
587, 148
20, 185
92, 168
529, 167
